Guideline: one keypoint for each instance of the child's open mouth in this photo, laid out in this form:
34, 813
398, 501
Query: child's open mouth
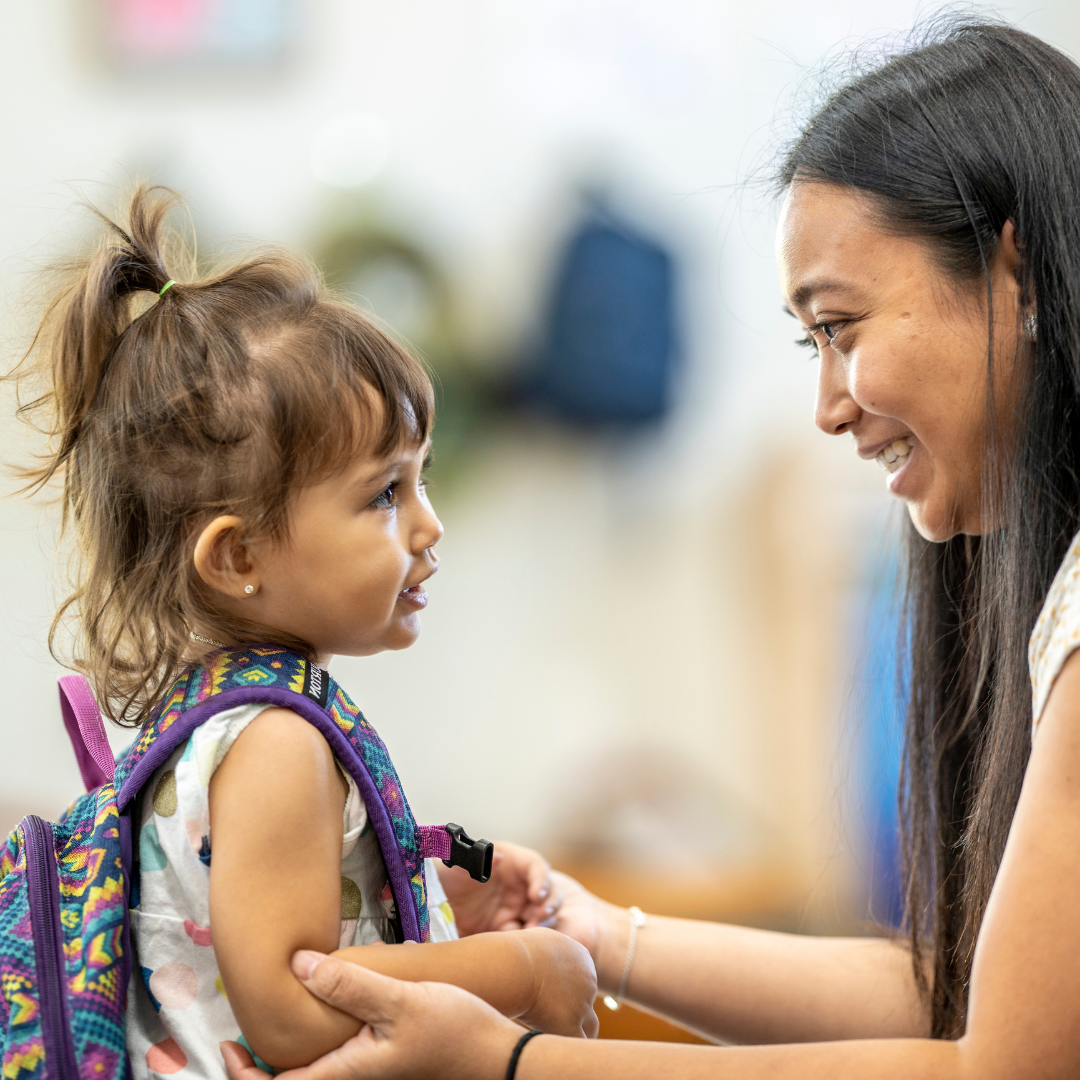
417, 596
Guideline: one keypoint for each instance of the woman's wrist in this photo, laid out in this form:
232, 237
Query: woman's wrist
501, 1051
612, 943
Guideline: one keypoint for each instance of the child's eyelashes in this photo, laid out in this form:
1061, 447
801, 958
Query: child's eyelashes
389, 496
386, 498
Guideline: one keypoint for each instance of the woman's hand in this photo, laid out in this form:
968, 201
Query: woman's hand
564, 981
518, 896
410, 1029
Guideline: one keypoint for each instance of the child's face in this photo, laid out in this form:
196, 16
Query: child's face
349, 579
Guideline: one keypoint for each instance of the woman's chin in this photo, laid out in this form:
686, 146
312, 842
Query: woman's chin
931, 524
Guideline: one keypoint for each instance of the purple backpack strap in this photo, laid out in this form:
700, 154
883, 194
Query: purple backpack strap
455, 847
86, 729
434, 841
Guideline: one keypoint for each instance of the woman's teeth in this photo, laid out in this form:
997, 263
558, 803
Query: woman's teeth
895, 454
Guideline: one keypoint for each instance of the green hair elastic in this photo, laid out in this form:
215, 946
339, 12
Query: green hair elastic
164, 287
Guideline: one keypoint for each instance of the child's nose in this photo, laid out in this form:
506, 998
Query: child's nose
429, 532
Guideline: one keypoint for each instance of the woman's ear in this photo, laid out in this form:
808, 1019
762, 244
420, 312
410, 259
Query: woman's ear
1009, 263
222, 560
1009, 257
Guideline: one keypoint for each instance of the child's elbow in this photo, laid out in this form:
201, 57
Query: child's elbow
288, 1046
291, 1028
279, 1049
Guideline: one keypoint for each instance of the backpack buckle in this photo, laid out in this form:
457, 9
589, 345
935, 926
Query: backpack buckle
475, 856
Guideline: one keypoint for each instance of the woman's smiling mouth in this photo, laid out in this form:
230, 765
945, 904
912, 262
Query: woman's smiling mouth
893, 456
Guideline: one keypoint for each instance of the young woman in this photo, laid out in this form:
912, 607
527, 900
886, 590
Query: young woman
929, 244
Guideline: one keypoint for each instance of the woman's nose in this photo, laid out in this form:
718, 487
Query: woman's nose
835, 409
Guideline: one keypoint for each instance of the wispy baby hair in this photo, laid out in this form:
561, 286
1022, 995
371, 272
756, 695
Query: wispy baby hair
221, 396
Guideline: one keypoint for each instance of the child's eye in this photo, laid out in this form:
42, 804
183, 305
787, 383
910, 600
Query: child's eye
385, 499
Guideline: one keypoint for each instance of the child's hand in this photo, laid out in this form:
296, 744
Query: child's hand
518, 896
564, 986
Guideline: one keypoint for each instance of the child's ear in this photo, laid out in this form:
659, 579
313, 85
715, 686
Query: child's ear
222, 561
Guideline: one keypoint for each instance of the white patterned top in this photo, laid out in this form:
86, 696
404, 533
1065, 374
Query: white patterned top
1056, 633
178, 1012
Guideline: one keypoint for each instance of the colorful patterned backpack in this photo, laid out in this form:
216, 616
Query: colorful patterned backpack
65, 950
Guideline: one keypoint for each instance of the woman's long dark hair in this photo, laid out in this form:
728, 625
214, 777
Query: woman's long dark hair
976, 125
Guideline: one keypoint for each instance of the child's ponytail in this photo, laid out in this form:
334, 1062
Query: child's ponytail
91, 311
167, 407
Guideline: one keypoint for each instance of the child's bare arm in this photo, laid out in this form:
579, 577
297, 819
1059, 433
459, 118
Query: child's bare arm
537, 976
276, 806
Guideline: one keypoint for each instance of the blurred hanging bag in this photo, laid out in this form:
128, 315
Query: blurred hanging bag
609, 354
66, 887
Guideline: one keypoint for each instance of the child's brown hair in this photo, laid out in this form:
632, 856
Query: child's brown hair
223, 396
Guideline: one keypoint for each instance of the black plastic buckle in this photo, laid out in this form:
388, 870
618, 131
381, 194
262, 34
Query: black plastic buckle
473, 855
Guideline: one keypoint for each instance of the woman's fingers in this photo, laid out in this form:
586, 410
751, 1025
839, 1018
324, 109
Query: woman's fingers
539, 878
351, 988
239, 1064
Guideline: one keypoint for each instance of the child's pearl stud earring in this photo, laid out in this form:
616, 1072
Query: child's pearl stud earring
249, 589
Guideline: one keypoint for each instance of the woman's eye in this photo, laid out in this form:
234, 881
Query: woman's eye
827, 330
385, 499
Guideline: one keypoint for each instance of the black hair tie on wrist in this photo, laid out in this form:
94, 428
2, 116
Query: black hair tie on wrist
511, 1069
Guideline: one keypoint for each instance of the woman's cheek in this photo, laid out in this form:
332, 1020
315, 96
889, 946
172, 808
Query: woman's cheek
863, 382
881, 378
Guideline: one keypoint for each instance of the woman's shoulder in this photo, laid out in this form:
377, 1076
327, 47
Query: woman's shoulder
1057, 630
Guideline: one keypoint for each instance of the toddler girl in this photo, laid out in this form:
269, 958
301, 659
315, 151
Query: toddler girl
242, 460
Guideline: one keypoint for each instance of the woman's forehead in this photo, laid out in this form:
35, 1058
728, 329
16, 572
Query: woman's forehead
830, 245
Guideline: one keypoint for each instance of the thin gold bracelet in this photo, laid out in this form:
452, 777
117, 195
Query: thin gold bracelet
638, 919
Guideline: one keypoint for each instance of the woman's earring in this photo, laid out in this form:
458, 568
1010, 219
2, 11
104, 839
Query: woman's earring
1031, 326
249, 589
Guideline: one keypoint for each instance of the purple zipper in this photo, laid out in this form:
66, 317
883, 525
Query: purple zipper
43, 884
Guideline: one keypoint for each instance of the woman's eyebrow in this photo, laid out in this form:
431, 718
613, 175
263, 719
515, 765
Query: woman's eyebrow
808, 290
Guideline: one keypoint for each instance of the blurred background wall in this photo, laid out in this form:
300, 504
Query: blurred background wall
643, 650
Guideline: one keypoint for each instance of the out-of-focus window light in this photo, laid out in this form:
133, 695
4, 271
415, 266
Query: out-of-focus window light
349, 149
393, 288
140, 33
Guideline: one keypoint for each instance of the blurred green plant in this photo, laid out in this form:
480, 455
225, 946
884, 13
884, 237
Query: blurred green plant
396, 283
